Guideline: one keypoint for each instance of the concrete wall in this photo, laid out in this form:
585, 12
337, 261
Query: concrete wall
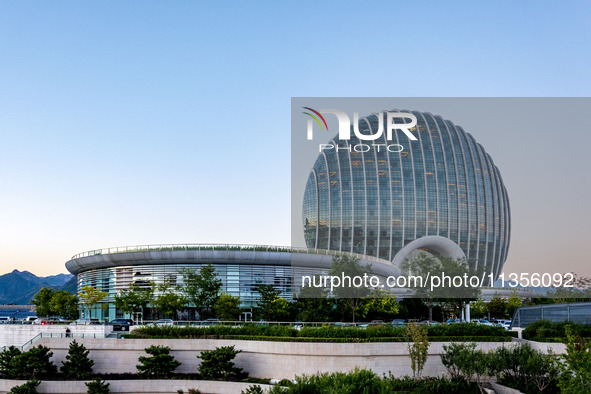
18, 334
276, 360
136, 386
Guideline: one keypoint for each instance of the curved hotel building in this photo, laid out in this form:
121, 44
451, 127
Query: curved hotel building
442, 194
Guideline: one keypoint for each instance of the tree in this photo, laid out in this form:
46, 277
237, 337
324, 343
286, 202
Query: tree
382, 304
437, 290
64, 304
280, 309
7, 362
418, 347
135, 299
42, 301
478, 308
91, 296
160, 365
77, 365
202, 288
227, 307
169, 301
345, 266
513, 302
269, 294
218, 364
35, 363
97, 386
497, 306
51, 302
313, 305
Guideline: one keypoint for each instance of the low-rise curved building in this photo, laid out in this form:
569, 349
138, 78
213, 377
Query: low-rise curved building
240, 267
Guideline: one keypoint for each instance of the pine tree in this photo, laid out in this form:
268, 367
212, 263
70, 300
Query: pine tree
97, 386
160, 365
77, 364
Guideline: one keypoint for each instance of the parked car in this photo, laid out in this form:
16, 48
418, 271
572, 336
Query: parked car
43, 321
57, 319
506, 324
429, 322
86, 321
397, 322
376, 323
6, 319
121, 324
29, 320
484, 322
452, 321
164, 322
211, 322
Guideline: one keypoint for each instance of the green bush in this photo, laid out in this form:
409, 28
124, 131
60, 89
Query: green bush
576, 365
218, 364
256, 389
97, 386
367, 382
33, 364
77, 364
519, 367
546, 331
160, 365
462, 360
28, 388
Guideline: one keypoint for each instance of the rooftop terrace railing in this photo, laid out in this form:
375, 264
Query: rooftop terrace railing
222, 247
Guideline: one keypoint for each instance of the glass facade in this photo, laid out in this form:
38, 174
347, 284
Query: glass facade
376, 201
239, 279
556, 313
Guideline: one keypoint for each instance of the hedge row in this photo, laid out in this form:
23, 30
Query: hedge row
545, 331
454, 332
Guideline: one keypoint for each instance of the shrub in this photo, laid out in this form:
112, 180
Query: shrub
356, 381
576, 367
256, 389
28, 388
526, 369
160, 365
77, 364
464, 361
454, 332
544, 330
367, 382
218, 364
97, 386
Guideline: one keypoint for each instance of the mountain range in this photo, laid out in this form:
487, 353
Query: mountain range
18, 287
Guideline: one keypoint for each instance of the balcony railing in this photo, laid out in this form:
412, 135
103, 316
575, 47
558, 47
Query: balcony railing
222, 247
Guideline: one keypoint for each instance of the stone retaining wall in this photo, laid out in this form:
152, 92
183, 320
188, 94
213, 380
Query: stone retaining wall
264, 359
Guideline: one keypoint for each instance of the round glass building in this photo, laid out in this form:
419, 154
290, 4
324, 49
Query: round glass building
442, 193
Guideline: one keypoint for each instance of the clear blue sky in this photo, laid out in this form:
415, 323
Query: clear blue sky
141, 122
